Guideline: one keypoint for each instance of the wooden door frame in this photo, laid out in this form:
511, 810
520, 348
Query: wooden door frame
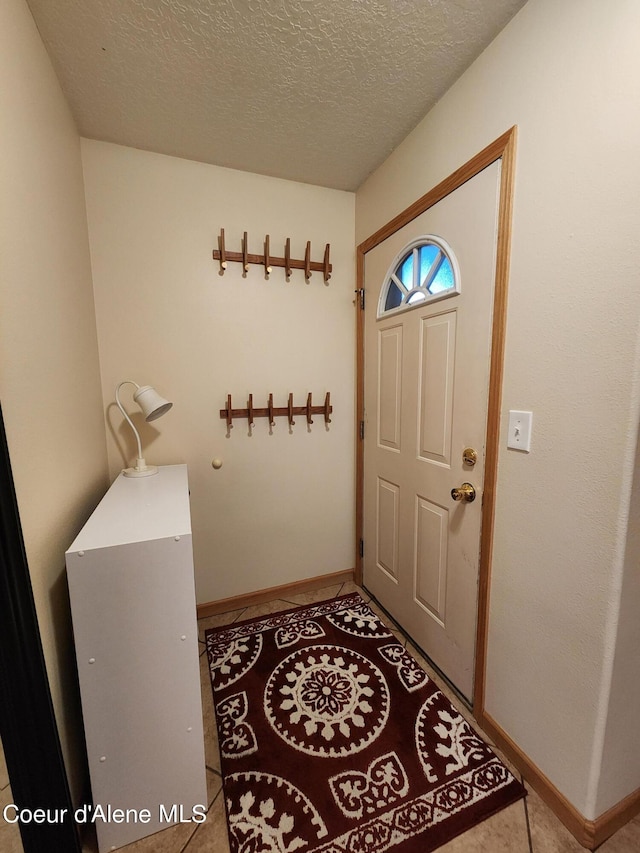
504, 149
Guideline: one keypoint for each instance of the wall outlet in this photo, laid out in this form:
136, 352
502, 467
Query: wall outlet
519, 434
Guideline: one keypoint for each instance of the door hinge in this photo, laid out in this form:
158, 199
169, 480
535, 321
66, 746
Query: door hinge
360, 292
361, 548
361, 430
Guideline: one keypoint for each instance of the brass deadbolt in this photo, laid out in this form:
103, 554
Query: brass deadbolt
469, 456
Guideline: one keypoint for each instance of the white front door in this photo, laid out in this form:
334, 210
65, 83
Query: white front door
426, 384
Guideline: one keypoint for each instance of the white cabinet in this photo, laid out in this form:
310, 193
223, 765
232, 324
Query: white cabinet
130, 573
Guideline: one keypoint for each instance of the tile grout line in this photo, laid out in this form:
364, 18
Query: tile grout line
526, 815
191, 837
240, 613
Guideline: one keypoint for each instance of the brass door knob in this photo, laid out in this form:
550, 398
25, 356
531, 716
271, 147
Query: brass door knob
465, 493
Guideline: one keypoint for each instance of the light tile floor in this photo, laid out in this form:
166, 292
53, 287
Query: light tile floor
527, 826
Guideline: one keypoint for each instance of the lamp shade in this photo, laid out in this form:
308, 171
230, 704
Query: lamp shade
152, 404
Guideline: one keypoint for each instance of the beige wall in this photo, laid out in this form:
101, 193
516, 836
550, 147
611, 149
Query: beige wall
49, 371
621, 738
281, 508
568, 74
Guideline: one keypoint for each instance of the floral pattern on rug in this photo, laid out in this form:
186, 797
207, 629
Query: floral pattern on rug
236, 737
230, 661
290, 635
319, 700
334, 740
411, 674
359, 621
358, 794
257, 824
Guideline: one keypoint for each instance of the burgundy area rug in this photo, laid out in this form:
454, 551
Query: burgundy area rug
334, 740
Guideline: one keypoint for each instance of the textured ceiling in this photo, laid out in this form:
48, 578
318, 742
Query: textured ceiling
319, 91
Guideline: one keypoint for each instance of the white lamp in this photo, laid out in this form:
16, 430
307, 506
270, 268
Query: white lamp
153, 406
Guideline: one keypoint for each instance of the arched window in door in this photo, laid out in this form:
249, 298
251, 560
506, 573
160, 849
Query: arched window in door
424, 271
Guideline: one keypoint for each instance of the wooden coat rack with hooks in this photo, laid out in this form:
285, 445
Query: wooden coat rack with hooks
268, 261
271, 411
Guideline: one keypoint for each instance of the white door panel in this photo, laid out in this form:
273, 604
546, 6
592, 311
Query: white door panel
388, 515
437, 367
390, 387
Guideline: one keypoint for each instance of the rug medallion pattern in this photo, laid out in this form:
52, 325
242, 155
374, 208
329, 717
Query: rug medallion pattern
334, 740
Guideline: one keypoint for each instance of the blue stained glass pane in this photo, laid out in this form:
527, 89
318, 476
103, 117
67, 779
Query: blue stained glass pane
443, 279
428, 254
405, 271
394, 297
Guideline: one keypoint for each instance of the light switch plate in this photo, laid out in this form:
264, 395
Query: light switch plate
519, 435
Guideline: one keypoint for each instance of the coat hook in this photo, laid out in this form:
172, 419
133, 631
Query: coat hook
307, 261
223, 255
327, 265
327, 408
229, 414
267, 260
287, 258
245, 258
270, 262
270, 411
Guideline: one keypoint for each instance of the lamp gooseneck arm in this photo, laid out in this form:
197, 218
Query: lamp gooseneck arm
126, 416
